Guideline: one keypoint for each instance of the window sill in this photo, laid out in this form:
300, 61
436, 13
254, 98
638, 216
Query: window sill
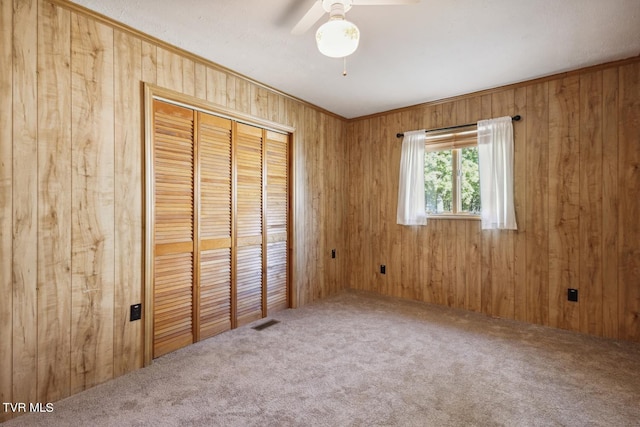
454, 216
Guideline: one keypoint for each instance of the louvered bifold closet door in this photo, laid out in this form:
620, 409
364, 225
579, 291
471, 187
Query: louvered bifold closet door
214, 152
249, 193
277, 208
173, 257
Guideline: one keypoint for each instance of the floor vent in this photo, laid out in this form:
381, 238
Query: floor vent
265, 325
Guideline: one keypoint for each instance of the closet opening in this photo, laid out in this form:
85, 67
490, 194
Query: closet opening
217, 220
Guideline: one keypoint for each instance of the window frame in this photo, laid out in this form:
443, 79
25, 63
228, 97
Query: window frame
455, 141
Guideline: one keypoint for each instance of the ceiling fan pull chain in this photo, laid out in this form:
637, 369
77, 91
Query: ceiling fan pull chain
344, 66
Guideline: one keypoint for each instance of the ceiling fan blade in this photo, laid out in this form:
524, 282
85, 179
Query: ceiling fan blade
383, 2
310, 18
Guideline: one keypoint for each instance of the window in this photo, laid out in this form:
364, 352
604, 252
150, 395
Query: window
452, 178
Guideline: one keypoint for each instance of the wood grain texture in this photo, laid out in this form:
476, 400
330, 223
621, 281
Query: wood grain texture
610, 203
169, 69
230, 94
564, 201
25, 201
200, 72
629, 188
188, 77
54, 203
502, 255
92, 203
536, 215
590, 221
149, 63
241, 96
473, 266
6, 205
274, 105
259, 101
216, 86
520, 203
128, 179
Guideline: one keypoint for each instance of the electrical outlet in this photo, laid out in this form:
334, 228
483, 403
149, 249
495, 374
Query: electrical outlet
572, 295
135, 313
383, 269
333, 253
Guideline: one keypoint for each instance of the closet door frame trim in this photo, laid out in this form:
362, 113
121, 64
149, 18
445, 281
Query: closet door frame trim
150, 93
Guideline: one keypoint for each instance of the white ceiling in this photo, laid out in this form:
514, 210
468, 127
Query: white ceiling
407, 54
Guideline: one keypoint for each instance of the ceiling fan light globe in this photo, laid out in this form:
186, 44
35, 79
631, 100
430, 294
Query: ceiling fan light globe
338, 38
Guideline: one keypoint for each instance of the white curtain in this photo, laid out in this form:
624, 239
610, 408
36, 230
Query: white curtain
411, 203
495, 157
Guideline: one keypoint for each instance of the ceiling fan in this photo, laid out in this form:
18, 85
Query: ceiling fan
338, 37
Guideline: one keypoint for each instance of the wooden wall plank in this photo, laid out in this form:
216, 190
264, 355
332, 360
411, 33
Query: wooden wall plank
356, 205
461, 230
461, 263
449, 263
231, 91
502, 256
6, 204
392, 229
434, 288
188, 77
242, 96
54, 202
564, 200
520, 202
379, 245
590, 221
473, 297
331, 240
200, 72
25, 201
318, 205
170, 69
149, 63
217, 87
380, 250
273, 106
430, 261
610, 203
259, 101
629, 189
342, 209
92, 203
536, 215
128, 208
488, 240
473, 258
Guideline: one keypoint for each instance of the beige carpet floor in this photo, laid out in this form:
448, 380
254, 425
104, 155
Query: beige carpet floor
361, 360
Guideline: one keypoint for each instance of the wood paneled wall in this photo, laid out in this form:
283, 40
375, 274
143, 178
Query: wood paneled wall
577, 196
71, 197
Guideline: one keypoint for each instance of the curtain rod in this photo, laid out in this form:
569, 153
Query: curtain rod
514, 118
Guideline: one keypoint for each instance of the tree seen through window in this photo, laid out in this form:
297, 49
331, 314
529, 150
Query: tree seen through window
449, 173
